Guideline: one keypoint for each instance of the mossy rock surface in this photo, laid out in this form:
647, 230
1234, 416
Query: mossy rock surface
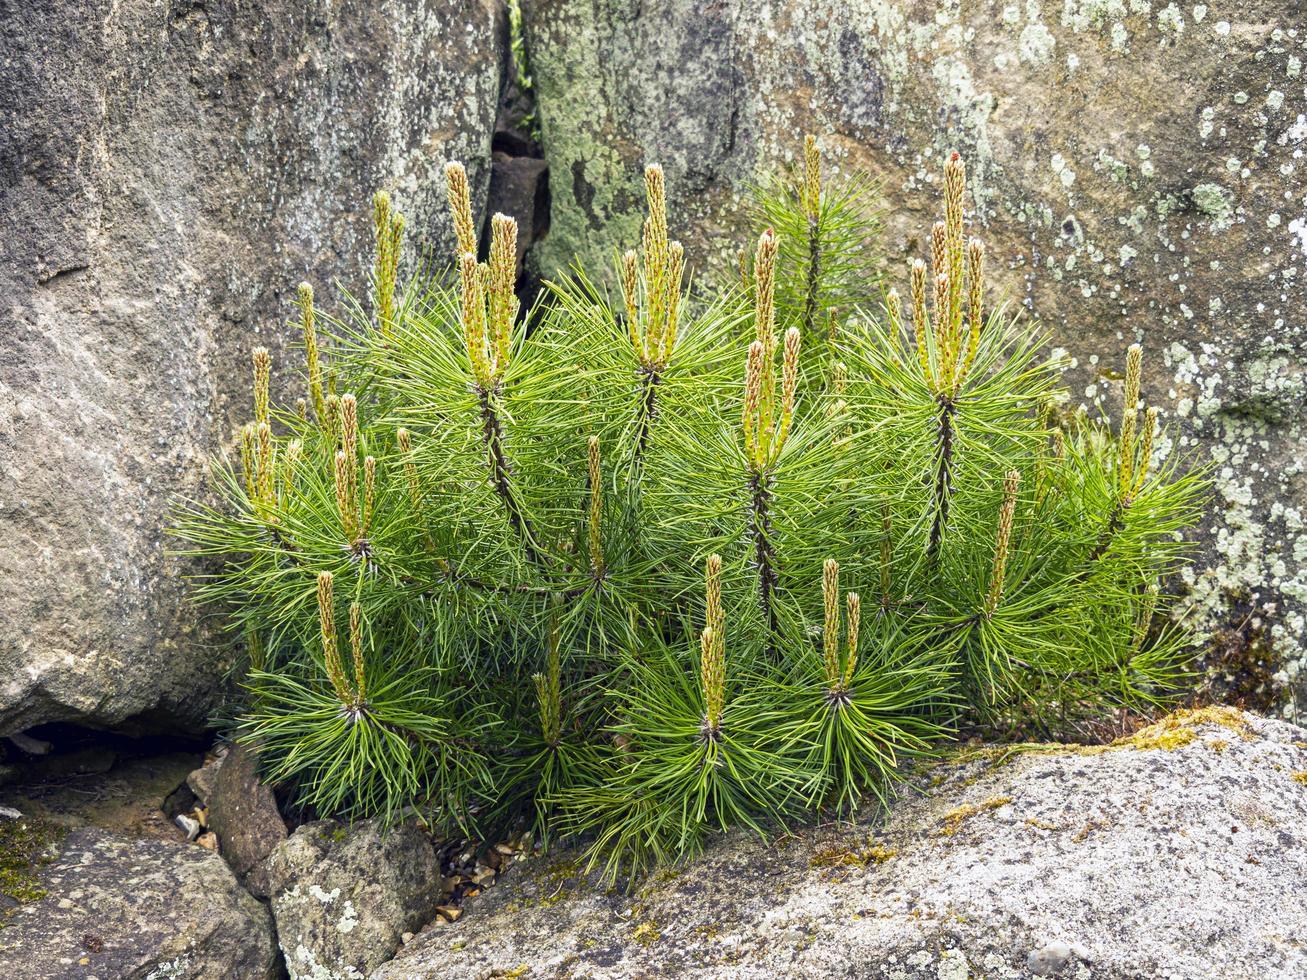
1164, 855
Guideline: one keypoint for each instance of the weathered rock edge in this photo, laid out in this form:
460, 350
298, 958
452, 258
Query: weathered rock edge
1186, 861
138, 908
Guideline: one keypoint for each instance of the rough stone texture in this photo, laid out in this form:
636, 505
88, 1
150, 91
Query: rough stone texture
140, 910
243, 813
1127, 864
343, 896
1136, 171
170, 172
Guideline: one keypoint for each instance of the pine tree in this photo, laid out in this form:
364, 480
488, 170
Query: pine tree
641, 568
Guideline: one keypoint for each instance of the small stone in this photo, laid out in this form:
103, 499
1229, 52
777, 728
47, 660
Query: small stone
9, 813
32, 746
1050, 960
189, 825
406, 938
209, 840
346, 894
449, 913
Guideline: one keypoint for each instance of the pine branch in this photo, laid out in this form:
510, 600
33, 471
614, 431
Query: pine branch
500, 476
942, 488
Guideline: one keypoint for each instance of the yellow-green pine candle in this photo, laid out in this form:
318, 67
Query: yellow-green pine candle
955, 180
266, 484
712, 672
765, 330
715, 617
356, 648
405, 442
894, 310
262, 373
327, 634
474, 319
1130, 418
752, 407
344, 499
811, 178
1145, 450
384, 301
503, 276
1004, 538
249, 460
830, 634
855, 617
921, 322
943, 341
676, 270
460, 207
349, 442
630, 296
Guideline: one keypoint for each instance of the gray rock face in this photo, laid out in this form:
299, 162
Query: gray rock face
1136, 168
1178, 856
343, 896
243, 813
138, 909
170, 172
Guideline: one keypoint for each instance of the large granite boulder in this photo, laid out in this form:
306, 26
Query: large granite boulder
1136, 168
116, 906
1180, 853
344, 896
170, 172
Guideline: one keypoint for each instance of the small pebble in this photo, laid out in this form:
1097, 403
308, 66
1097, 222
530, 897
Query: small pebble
32, 746
9, 813
406, 938
209, 840
1050, 960
189, 825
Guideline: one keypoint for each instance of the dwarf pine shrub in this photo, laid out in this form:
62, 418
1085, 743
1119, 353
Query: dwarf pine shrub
639, 567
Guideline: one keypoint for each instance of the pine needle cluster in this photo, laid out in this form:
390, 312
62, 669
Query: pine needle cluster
637, 569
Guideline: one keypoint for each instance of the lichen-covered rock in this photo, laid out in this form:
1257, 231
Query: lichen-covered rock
343, 896
139, 909
171, 172
1137, 169
243, 813
1179, 854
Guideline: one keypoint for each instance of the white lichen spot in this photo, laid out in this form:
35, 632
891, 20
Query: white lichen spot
1036, 44
1170, 20
349, 918
1200, 11
1274, 99
1120, 37
1222, 28
1064, 173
